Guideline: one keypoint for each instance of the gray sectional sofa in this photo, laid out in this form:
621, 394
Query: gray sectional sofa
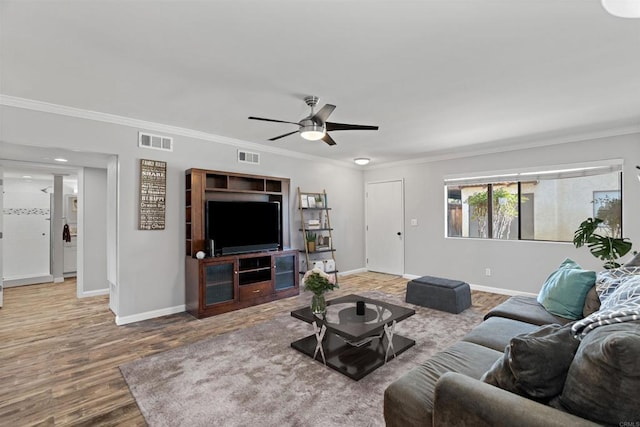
453, 388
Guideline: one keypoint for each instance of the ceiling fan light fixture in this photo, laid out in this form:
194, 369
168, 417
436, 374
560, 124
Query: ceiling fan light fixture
311, 131
622, 8
362, 161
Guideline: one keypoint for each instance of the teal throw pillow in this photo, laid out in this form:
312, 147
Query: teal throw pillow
565, 290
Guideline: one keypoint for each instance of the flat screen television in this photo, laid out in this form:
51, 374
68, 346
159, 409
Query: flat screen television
243, 226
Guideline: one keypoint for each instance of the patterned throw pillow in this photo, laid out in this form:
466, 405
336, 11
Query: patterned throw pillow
607, 281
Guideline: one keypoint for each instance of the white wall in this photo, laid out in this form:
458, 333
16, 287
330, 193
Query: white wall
516, 265
150, 264
92, 190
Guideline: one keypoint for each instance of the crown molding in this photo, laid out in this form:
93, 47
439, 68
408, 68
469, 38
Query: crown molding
510, 145
62, 110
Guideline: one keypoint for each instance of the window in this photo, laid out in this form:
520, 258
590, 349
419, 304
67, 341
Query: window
535, 205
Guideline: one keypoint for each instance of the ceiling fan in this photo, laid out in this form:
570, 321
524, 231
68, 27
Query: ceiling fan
315, 126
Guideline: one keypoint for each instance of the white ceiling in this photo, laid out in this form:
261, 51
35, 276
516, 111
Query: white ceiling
436, 76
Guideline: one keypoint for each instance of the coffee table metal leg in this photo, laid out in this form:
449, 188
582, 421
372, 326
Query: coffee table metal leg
319, 332
389, 330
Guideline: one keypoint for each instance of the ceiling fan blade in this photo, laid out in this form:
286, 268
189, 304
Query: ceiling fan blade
271, 120
323, 114
282, 136
326, 138
345, 126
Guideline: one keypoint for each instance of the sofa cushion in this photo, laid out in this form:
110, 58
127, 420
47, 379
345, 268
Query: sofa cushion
496, 332
634, 262
603, 380
408, 401
535, 364
591, 302
526, 309
565, 290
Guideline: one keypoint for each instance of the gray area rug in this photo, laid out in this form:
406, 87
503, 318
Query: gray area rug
253, 376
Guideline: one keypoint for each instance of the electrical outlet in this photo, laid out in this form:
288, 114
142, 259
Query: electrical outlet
487, 272
414, 222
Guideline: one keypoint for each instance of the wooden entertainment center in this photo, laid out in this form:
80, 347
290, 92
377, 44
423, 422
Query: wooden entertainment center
218, 284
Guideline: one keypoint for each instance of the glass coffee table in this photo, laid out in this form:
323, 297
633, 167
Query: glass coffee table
351, 343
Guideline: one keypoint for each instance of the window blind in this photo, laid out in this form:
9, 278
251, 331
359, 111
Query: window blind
537, 174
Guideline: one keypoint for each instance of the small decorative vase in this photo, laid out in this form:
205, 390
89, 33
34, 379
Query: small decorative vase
318, 304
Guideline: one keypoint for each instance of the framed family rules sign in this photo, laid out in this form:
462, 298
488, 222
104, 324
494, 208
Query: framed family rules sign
153, 192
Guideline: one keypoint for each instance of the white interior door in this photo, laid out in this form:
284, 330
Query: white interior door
385, 227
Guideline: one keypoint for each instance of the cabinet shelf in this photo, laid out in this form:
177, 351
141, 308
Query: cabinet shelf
318, 251
328, 272
221, 284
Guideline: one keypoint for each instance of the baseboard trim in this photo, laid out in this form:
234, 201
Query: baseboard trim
482, 288
356, 271
123, 320
93, 293
35, 280
501, 291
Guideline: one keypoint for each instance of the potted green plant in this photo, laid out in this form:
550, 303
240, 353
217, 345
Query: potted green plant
605, 248
311, 241
319, 282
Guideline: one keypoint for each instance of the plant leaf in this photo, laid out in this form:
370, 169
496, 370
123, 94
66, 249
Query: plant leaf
585, 231
608, 248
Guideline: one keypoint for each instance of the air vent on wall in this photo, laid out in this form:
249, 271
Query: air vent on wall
248, 157
157, 142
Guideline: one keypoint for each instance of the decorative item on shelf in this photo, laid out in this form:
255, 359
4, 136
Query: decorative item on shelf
312, 201
319, 282
323, 242
319, 201
313, 224
311, 241
329, 265
200, 255
319, 265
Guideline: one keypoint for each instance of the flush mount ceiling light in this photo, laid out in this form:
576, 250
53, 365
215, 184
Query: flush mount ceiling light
622, 8
361, 161
60, 159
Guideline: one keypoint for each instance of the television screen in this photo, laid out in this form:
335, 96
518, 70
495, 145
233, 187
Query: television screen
238, 227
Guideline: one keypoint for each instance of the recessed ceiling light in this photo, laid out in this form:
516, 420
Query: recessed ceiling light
361, 161
60, 159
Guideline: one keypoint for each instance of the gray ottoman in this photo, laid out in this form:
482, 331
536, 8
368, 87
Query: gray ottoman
453, 296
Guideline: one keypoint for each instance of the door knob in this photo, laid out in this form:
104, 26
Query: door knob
399, 233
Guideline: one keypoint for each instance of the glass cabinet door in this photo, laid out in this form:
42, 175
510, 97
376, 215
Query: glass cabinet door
285, 271
218, 283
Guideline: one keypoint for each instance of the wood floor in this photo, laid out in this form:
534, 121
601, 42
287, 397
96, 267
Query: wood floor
59, 355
